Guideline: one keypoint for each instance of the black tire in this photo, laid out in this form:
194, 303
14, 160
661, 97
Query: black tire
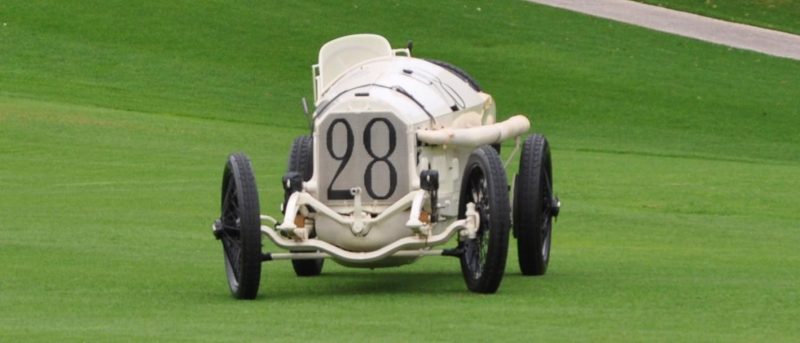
240, 227
301, 160
301, 157
484, 182
534, 206
460, 73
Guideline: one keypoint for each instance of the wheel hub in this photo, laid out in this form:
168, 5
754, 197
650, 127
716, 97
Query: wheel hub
554, 206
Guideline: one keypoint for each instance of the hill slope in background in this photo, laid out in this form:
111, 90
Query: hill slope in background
778, 15
247, 63
677, 162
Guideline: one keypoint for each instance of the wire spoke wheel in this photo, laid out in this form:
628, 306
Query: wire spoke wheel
476, 249
484, 258
239, 228
534, 206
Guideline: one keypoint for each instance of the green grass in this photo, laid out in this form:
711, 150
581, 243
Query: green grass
779, 15
677, 163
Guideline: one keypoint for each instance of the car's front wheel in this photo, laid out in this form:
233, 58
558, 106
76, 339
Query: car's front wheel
239, 228
483, 260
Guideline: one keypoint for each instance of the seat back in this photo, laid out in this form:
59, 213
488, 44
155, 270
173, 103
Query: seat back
339, 55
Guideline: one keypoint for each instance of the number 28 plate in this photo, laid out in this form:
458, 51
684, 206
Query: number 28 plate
367, 150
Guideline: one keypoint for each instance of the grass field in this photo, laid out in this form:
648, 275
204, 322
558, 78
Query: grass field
677, 163
779, 15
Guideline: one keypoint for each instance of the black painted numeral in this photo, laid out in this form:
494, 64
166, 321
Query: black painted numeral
344, 194
375, 159
340, 194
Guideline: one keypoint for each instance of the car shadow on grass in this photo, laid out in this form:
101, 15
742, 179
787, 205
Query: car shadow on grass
386, 282
361, 283
344, 284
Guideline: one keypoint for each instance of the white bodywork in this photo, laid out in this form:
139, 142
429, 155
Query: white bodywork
382, 118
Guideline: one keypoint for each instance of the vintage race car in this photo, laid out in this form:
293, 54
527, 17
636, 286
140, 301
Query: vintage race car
403, 155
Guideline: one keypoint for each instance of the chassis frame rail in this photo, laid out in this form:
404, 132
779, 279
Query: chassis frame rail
418, 245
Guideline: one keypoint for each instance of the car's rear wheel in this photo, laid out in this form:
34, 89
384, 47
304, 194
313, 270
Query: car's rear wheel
484, 183
301, 160
239, 227
534, 206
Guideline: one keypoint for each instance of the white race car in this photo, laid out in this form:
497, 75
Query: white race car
403, 155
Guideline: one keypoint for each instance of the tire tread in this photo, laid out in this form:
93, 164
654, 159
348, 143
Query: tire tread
250, 225
497, 252
301, 160
528, 196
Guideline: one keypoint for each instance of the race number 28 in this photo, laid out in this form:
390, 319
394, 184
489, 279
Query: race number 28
343, 194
